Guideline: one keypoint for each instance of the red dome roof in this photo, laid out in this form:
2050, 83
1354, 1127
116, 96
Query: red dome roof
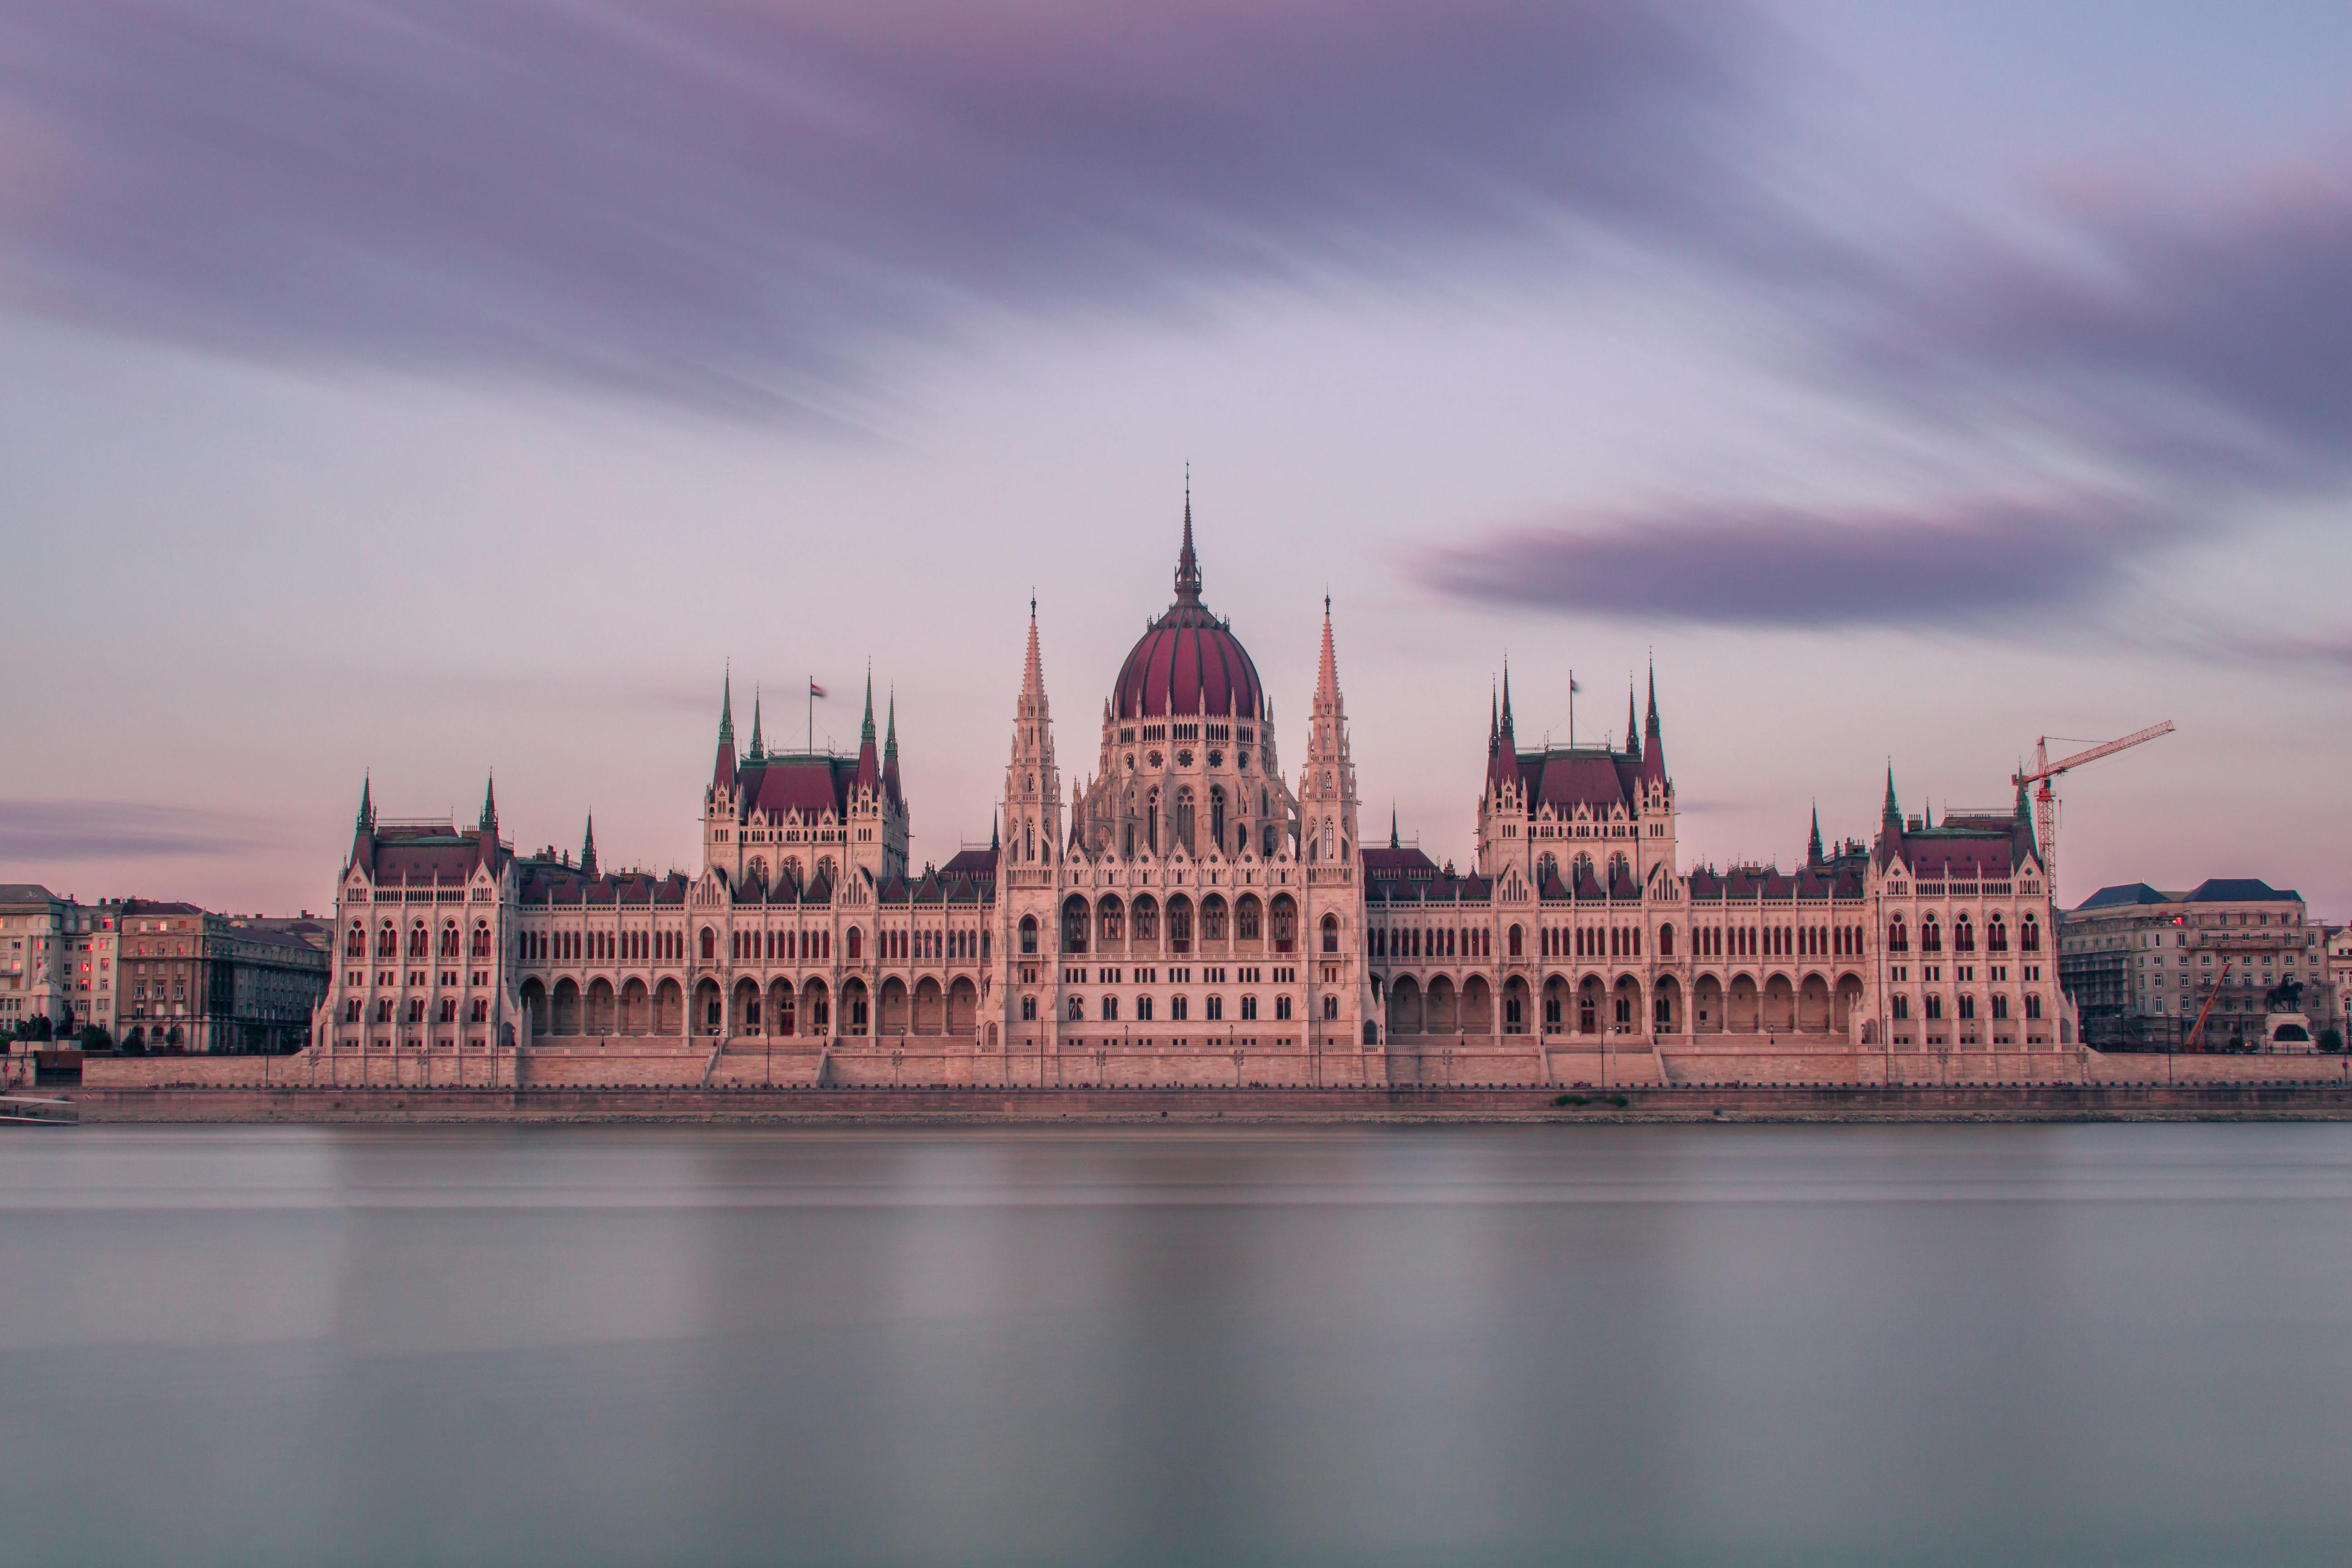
1190, 661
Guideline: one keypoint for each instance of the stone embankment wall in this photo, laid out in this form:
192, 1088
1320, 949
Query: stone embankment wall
1168, 1106
1721, 1061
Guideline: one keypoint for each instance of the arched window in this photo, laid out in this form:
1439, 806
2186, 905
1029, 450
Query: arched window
1665, 941
1217, 816
1902, 1006
1934, 1006
1152, 822
711, 945
1331, 933
1583, 868
2029, 940
1267, 841
1999, 1008
1074, 926
448, 939
1028, 933
482, 939
1931, 938
1110, 1009
1110, 919
1996, 940
1546, 868
1286, 923
1964, 938
1517, 943
857, 943
1618, 869
355, 942
2033, 1006
416, 940
1077, 1009
1028, 1009
1183, 818
1245, 919
1897, 939
1180, 923
1213, 918
1968, 1006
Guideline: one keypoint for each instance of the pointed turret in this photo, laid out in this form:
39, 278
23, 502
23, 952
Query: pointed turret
870, 759
1502, 741
1813, 843
1890, 821
1632, 740
588, 848
992, 841
1327, 669
490, 823
759, 752
364, 830
1654, 746
1394, 843
722, 773
1188, 565
890, 750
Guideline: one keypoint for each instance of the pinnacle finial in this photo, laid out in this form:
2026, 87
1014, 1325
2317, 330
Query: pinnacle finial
367, 806
727, 707
490, 823
865, 729
758, 751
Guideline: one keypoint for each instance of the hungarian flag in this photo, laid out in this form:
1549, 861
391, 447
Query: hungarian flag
1572, 685
814, 689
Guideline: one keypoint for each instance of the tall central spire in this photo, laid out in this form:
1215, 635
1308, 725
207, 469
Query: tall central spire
1188, 565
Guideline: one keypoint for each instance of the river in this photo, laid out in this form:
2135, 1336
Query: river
1719, 1345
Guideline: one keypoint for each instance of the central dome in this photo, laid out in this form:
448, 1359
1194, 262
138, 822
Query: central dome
1190, 661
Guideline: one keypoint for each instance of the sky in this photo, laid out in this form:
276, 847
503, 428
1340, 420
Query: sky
413, 390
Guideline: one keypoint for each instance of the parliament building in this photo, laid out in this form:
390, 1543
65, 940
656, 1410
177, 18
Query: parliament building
1193, 910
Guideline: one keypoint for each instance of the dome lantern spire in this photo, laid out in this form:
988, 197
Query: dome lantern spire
1188, 565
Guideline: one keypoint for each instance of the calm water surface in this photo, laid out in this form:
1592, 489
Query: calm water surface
1651, 1345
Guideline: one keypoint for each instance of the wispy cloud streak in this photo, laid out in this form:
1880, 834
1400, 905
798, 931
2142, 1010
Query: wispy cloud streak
44, 830
1787, 568
737, 204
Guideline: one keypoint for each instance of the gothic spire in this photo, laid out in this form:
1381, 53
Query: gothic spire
1508, 729
1327, 672
1632, 740
588, 848
1813, 843
890, 750
1188, 565
490, 823
758, 751
993, 842
1650, 725
865, 729
1890, 808
1393, 842
726, 709
367, 807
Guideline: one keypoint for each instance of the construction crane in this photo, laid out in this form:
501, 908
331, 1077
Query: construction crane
2196, 1040
2045, 800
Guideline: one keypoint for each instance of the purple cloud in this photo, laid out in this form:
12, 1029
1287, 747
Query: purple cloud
737, 204
1762, 567
2201, 339
38, 830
